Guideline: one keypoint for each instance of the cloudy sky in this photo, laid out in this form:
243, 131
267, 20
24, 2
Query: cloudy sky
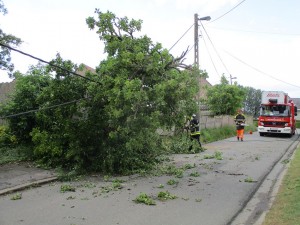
256, 42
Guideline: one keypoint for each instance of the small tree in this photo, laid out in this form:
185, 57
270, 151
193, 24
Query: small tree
23, 100
252, 100
224, 99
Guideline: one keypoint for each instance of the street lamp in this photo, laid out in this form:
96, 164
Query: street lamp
196, 50
231, 78
205, 18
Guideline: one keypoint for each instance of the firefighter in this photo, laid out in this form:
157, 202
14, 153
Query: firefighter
194, 128
239, 120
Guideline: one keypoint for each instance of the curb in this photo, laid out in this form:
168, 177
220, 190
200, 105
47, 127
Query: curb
259, 204
27, 185
275, 190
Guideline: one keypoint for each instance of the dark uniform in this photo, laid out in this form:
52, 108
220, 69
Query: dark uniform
240, 125
195, 130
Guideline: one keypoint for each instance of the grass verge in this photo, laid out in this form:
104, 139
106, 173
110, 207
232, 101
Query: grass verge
286, 207
12, 154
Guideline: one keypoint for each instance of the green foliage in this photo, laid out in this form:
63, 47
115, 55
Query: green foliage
249, 180
145, 199
115, 185
172, 182
14, 154
215, 134
17, 196
10, 40
171, 170
195, 174
224, 99
285, 209
108, 125
198, 200
189, 166
165, 195
24, 99
251, 101
72, 175
298, 124
2, 8
217, 155
6, 137
67, 188
180, 144
207, 156
10, 149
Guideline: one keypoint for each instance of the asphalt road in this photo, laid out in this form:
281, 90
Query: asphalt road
221, 194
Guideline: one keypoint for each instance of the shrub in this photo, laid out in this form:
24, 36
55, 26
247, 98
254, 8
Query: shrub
6, 138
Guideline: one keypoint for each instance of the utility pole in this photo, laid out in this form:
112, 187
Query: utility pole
196, 41
231, 78
196, 54
196, 37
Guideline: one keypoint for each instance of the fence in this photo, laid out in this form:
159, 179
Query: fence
208, 120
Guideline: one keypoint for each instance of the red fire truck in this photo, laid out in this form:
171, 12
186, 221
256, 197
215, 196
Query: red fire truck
277, 114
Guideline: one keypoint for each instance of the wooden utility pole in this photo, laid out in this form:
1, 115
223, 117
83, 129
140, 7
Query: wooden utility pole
196, 54
196, 41
196, 37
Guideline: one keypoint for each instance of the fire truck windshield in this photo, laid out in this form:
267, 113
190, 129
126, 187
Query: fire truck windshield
274, 110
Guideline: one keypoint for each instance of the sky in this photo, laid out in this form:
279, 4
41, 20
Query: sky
255, 42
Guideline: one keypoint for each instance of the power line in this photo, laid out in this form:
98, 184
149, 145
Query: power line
51, 64
181, 36
214, 48
228, 11
36, 110
210, 56
258, 70
253, 31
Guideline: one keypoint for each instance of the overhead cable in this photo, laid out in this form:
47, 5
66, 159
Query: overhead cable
210, 56
36, 110
228, 11
253, 31
258, 70
214, 48
181, 36
51, 64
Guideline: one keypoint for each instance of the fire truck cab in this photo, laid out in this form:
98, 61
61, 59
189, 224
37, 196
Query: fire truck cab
277, 114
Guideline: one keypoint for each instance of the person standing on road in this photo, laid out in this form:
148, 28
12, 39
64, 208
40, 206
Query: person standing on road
239, 120
194, 128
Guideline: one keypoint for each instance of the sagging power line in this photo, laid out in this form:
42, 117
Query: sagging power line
181, 37
44, 108
44, 61
258, 70
228, 11
215, 49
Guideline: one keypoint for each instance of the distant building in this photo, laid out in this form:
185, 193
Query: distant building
83, 69
203, 84
6, 89
297, 103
